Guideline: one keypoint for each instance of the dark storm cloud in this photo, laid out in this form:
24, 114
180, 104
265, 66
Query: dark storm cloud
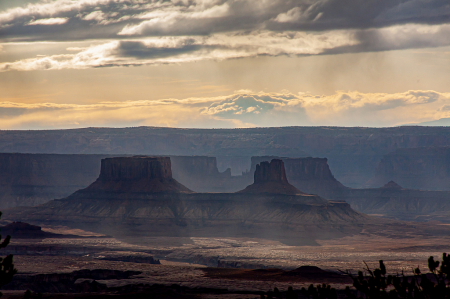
167, 18
140, 50
396, 38
195, 30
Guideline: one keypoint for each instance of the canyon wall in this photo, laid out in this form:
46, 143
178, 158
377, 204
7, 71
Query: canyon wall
393, 201
310, 175
201, 174
135, 194
353, 153
415, 168
32, 179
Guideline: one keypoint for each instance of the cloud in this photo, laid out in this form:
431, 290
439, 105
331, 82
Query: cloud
169, 50
204, 17
50, 21
241, 109
222, 29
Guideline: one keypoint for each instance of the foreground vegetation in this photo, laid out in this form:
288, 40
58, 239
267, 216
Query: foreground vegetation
378, 285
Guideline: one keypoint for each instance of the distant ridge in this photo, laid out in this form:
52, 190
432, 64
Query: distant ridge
443, 122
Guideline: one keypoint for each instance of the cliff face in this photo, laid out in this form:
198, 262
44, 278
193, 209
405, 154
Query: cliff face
271, 178
353, 153
138, 192
32, 179
139, 174
311, 175
200, 173
415, 168
393, 201
270, 172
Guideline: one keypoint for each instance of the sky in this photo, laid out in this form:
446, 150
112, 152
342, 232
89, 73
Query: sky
223, 63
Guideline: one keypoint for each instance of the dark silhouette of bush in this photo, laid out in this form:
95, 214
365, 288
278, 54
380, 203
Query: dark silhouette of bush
7, 269
378, 285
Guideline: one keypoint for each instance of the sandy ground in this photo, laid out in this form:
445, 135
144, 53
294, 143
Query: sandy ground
183, 260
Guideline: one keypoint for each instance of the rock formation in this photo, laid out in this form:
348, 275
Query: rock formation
311, 175
137, 195
32, 179
415, 168
353, 153
200, 173
271, 178
137, 174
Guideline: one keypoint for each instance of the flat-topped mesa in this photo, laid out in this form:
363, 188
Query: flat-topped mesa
271, 178
138, 174
136, 168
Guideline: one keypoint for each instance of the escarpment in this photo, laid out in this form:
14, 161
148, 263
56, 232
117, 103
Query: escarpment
136, 175
32, 179
415, 168
138, 195
201, 174
311, 175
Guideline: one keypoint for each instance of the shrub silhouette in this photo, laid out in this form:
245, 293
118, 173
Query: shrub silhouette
7, 269
378, 285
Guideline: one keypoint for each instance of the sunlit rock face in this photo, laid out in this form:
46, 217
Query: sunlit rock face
138, 174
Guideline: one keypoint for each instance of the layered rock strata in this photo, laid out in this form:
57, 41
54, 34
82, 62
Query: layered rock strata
137, 195
32, 179
391, 200
415, 168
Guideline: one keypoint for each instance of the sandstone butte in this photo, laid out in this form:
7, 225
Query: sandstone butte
137, 195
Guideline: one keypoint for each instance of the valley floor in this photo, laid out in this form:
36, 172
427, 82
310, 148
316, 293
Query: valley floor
192, 262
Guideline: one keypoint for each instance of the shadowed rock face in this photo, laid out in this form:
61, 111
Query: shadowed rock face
270, 172
271, 178
136, 175
200, 173
136, 168
415, 168
138, 195
311, 175
32, 179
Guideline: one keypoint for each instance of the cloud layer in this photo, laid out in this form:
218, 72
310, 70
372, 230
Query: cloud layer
127, 32
241, 109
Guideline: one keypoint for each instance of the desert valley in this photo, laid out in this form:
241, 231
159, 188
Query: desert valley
110, 220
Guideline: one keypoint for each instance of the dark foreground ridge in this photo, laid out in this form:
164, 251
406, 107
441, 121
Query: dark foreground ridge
138, 195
